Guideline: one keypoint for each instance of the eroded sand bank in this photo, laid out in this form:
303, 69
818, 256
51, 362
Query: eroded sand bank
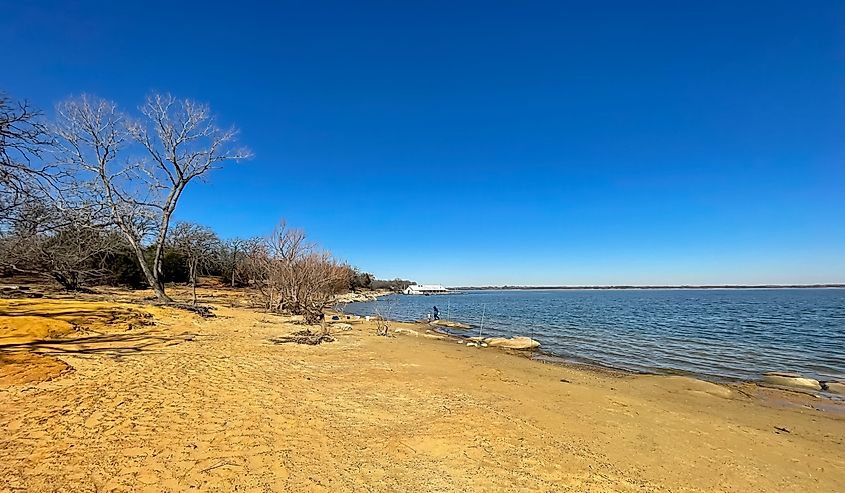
211, 404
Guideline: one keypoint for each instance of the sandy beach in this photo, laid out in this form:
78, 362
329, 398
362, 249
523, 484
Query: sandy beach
121, 396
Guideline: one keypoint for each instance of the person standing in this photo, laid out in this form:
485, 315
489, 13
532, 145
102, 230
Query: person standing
436, 313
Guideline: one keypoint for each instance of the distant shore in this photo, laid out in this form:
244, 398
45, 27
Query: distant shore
363, 296
681, 286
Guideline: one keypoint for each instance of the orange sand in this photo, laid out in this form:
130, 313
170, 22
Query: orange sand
210, 404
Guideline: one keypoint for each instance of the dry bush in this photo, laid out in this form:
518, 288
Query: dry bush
293, 275
70, 248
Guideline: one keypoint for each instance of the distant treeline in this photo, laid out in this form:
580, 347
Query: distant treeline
363, 280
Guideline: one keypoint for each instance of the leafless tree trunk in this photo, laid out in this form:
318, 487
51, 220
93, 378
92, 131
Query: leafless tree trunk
181, 142
199, 246
235, 249
234, 262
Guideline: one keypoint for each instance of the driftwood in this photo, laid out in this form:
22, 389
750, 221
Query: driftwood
18, 292
304, 337
201, 310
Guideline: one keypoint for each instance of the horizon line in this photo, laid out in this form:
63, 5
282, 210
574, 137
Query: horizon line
653, 286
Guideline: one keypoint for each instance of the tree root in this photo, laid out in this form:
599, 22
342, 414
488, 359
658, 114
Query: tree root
18, 292
201, 310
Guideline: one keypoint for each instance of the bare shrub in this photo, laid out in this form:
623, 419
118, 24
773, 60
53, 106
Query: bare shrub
294, 276
382, 317
72, 249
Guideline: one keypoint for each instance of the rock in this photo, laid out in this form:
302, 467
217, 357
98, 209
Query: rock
512, 343
791, 380
354, 298
361, 297
410, 332
694, 385
472, 344
450, 324
341, 326
835, 387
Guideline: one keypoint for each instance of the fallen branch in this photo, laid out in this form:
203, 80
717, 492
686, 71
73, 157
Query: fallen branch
304, 337
201, 310
219, 464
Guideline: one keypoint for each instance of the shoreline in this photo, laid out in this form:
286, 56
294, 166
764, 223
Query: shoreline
362, 297
540, 355
786, 395
828, 384
212, 403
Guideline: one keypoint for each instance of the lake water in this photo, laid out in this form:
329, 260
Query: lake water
722, 333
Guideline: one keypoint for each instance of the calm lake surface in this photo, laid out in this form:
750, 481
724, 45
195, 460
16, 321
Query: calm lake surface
721, 333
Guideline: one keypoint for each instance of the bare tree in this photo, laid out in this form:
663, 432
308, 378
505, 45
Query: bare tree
23, 139
180, 142
72, 252
199, 245
233, 257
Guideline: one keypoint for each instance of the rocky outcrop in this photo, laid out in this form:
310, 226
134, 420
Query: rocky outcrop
410, 332
512, 343
415, 333
450, 324
835, 387
791, 380
361, 297
695, 386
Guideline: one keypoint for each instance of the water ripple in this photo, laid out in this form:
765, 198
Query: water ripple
726, 333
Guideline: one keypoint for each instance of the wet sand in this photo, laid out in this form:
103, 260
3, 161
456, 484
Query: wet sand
211, 404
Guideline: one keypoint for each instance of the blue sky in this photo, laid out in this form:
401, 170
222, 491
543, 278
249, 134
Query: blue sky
493, 142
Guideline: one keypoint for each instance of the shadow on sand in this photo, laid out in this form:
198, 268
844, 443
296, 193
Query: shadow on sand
106, 344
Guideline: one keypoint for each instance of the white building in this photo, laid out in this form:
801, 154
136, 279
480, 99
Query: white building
425, 289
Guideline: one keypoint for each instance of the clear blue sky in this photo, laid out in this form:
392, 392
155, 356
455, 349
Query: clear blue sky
490, 142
